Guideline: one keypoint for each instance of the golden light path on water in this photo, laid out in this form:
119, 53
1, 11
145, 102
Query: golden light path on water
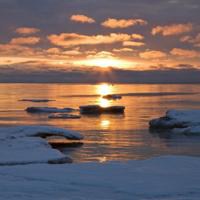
102, 90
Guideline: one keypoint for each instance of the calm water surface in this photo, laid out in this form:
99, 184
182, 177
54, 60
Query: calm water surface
107, 137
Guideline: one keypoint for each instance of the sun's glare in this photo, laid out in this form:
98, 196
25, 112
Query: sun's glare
104, 62
105, 123
104, 89
104, 102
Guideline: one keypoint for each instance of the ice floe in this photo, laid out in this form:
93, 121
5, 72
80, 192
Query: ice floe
112, 96
26, 145
96, 109
179, 121
49, 110
37, 100
64, 116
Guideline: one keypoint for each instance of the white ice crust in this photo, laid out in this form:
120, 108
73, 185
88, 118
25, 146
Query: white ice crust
24, 145
179, 121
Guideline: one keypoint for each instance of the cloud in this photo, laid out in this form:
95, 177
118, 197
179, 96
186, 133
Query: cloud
28, 72
185, 53
153, 55
73, 52
27, 30
61, 53
123, 50
11, 49
54, 51
137, 36
174, 29
102, 54
25, 41
186, 38
122, 23
192, 40
133, 44
82, 19
74, 39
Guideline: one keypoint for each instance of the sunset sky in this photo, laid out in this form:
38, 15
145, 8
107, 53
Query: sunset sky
69, 40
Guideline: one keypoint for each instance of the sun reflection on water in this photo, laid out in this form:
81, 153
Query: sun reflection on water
104, 89
102, 159
105, 123
104, 102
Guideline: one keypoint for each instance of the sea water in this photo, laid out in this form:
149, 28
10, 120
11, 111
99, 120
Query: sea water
107, 137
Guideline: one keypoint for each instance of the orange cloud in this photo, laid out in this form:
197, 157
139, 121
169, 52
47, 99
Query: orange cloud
192, 40
122, 23
10, 49
27, 30
82, 19
101, 54
60, 53
74, 39
123, 50
185, 53
137, 36
54, 51
73, 52
153, 55
133, 44
25, 40
186, 38
174, 29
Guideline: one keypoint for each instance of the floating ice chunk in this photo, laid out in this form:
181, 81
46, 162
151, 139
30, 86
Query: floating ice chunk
37, 100
181, 121
112, 97
96, 109
64, 116
49, 110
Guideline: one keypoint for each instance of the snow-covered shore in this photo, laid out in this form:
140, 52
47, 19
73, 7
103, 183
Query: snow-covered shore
26, 172
162, 178
179, 121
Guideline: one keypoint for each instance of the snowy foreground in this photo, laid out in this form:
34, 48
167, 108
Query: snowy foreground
163, 178
30, 170
179, 121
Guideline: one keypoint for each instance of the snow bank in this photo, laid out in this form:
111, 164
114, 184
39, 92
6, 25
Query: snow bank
40, 131
49, 110
163, 178
24, 145
179, 121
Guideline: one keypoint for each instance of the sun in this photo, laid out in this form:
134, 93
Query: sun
103, 62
